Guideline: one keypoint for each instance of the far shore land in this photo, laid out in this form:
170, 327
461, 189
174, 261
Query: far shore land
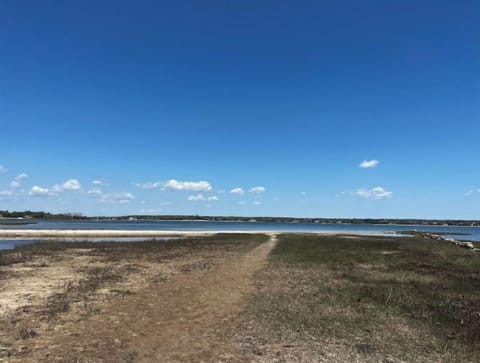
31, 217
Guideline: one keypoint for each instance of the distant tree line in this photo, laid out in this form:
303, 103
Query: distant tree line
196, 217
40, 215
439, 222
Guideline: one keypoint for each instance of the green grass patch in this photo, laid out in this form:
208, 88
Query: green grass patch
404, 296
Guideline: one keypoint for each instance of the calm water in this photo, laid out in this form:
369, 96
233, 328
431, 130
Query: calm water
473, 233
10, 244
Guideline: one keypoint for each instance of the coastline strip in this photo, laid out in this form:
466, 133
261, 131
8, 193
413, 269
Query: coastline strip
73, 233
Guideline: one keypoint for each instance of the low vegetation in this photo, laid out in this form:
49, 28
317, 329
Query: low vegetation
316, 299
150, 250
351, 298
97, 275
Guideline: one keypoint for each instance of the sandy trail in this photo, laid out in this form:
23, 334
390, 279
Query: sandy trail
176, 320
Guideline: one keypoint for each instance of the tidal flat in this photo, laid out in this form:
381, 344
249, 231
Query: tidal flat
241, 297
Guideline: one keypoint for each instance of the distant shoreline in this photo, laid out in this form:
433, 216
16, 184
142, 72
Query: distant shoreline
27, 217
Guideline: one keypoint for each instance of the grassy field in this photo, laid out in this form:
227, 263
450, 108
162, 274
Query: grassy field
66, 301
333, 298
237, 298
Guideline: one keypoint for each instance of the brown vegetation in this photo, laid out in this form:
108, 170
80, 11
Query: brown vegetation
222, 299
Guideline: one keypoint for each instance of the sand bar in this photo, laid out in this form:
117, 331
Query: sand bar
107, 233
38, 233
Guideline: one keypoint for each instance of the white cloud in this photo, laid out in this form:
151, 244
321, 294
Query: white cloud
120, 197
72, 184
197, 186
149, 185
172, 184
201, 197
39, 191
18, 180
69, 185
6, 193
99, 182
15, 184
374, 193
3, 169
369, 164
238, 191
57, 188
94, 191
257, 190
196, 198
15, 187
256, 203
21, 176
469, 193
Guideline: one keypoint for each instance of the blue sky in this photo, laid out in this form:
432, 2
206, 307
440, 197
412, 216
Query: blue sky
116, 107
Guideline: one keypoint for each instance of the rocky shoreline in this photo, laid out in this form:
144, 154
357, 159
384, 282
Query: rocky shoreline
434, 236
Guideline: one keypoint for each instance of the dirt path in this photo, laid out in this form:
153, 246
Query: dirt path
175, 320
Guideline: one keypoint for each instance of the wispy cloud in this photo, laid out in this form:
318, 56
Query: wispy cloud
15, 187
366, 164
257, 190
173, 184
471, 192
6, 193
238, 191
94, 192
18, 180
149, 185
99, 182
3, 169
120, 197
374, 193
201, 198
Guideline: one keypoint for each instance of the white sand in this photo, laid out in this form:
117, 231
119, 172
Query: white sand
92, 233
38, 233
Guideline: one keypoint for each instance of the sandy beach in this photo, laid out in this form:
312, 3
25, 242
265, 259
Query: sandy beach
39, 233
104, 233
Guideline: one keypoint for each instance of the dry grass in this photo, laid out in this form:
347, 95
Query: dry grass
319, 299
326, 298
102, 277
